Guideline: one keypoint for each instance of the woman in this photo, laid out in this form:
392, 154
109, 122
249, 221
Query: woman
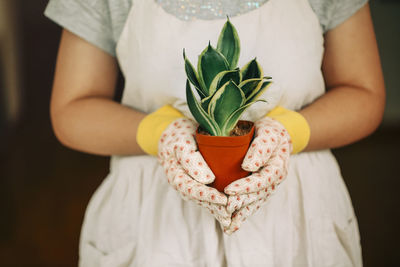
322, 55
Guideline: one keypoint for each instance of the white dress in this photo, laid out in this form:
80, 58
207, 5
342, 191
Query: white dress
136, 218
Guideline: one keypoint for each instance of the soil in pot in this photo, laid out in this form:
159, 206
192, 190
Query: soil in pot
225, 154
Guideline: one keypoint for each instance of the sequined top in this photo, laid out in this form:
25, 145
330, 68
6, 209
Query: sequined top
208, 9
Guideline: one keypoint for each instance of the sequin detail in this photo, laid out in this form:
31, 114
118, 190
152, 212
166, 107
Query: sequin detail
207, 9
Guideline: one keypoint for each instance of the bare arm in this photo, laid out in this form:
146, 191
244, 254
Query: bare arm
353, 106
83, 114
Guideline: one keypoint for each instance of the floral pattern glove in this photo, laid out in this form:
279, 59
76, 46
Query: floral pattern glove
267, 159
187, 171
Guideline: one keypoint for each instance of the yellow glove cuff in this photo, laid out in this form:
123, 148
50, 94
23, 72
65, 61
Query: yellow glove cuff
153, 125
295, 124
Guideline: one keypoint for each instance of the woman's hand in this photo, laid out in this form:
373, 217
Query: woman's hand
187, 171
168, 134
267, 158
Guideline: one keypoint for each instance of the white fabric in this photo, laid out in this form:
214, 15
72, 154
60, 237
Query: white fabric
137, 219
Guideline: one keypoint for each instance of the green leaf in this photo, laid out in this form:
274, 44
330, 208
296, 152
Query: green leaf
248, 86
251, 70
225, 101
211, 62
261, 88
205, 121
232, 120
229, 44
224, 77
193, 77
205, 103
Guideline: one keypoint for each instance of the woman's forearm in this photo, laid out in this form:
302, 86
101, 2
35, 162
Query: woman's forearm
98, 125
343, 115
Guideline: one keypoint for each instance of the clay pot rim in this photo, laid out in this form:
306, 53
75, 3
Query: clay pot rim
225, 141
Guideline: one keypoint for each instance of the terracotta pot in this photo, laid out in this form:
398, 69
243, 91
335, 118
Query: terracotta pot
224, 155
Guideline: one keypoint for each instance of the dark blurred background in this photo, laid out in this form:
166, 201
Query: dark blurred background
45, 187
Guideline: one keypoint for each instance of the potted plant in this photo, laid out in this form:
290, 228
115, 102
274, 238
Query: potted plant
225, 92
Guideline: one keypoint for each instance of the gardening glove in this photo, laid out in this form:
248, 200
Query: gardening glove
267, 158
184, 166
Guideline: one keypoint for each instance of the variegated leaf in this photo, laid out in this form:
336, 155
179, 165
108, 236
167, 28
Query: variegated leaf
205, 103
232, 120
225, 101
229, 44
211, 62
205, 121
223, 77
261, 88
251, 70
248, 86
193, 77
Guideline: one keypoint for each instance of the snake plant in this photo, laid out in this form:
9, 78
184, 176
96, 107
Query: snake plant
225, 90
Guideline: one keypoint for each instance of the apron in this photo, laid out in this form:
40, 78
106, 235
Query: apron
135, 218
